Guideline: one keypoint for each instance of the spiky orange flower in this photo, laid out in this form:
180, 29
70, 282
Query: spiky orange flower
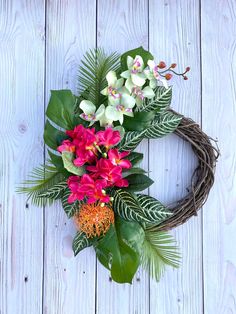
94, 219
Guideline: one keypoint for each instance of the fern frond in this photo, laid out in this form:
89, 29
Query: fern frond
41, 179
92, 73
159, 250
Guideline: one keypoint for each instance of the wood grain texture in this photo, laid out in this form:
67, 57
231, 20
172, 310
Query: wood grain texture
175, 37
22, 115
123, 25
69, 283
219, 116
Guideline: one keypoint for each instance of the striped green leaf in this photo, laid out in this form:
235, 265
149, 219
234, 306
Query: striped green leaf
131, 140
163, 125
153, 209
55, 191
127, 207
80, 242
160, 102
70, 209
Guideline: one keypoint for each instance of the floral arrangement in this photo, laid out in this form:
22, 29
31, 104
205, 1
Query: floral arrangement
93, 169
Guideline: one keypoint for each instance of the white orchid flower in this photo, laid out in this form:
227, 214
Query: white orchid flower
134, 74
114, 88
140, 94
153, 76
89, 112
116, 112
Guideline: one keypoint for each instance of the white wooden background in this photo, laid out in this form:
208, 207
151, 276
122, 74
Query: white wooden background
41, 45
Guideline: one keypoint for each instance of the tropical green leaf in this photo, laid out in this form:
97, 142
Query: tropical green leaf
159, 250
139, 122
55, 192
92, 74
56, 160
138, 182
61, 108
52, 136
153, 208
131, 140
70, 209
133, 170
146, 55
160, 102
67, 158
120, 249
127, 207
41, 179
80, 242
164, 124
135, 158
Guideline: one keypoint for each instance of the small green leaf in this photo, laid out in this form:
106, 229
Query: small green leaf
52, 136
56, 161
160, 102
67, 158
61, 107
120, 249
146, 55
164, 124
139, 122
133, 170
80, 242
135, 158
138, 182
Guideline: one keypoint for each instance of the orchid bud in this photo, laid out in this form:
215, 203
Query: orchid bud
173, 65
185, 78
187, 69
168, 76
161, 65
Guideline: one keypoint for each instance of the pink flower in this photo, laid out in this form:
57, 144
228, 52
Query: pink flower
116, 158
108, 138
94, 189
66, 146
106, 170
74, 186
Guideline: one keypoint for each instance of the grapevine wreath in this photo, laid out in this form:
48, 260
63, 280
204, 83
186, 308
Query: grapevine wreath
94, 171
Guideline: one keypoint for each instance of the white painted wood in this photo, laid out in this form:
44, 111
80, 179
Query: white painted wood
219, 116
69, 283
123, 25
21, 120
174, 37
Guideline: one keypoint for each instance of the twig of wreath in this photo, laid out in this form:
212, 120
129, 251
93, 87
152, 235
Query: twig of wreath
202, 178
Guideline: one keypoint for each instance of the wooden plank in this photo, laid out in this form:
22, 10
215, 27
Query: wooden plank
219, 116
123, 25
22, 112
69, 282
174, 37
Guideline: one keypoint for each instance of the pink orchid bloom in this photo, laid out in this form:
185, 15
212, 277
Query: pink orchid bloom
66, 146
94, 189
108, 138
106, 170
74, 186
116, 158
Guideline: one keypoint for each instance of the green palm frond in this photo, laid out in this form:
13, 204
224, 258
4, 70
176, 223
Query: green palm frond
159, 250
41, 179
92, 73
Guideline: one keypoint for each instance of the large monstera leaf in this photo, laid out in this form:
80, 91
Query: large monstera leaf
120, 249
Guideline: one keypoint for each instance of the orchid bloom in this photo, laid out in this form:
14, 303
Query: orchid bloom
140, 94
153, 76
118, 110
114, 88
89, 112
134, 74
116, 158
